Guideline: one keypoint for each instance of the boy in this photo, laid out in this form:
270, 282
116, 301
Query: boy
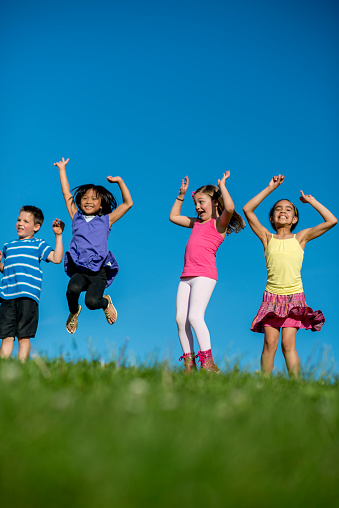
21, 283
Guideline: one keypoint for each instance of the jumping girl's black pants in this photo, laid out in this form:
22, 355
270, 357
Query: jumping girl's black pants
93, 283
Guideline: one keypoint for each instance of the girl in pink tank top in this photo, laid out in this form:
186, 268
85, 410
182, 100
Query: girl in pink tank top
216, 218
284, 304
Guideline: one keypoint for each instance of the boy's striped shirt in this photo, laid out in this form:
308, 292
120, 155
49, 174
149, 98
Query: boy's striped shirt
22, 275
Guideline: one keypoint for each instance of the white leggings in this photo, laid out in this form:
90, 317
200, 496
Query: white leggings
193, 296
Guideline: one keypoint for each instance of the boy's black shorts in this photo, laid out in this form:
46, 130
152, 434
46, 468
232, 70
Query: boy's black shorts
18, 318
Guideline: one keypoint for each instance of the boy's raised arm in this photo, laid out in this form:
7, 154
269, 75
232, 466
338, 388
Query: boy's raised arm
56, 255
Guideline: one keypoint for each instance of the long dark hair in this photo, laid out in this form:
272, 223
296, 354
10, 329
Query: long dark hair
236, 223
108, 201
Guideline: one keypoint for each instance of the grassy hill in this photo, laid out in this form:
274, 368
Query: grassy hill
87, 435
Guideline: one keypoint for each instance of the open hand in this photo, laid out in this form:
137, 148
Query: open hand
61, 164
276, 181
305, 198
58, 226
222, 180
184, 185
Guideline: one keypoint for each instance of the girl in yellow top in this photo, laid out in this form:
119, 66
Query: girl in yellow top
284, 304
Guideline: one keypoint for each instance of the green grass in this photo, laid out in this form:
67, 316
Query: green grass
80, 435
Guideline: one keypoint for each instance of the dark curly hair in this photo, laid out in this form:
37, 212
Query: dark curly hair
296, 214
236, 223
108, 201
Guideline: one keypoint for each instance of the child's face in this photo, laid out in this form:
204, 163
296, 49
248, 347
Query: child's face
284, 214
25, 226
203, 206
90, 203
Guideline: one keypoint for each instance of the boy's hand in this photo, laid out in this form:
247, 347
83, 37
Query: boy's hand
114, 179
0, 255
61, 164
276, 181
306, 198
58, 226
222, 180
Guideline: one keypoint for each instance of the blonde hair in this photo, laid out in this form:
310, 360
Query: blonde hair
236, 223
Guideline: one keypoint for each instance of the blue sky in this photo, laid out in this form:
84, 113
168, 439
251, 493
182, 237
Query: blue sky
153, 91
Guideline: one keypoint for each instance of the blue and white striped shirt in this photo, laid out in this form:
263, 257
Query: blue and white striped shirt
22, 275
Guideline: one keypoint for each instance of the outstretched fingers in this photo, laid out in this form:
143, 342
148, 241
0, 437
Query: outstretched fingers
62, 163
184, 185
224, 178
305, 198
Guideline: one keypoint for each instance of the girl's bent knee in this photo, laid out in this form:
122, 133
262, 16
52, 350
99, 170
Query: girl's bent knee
73, 290
92, 303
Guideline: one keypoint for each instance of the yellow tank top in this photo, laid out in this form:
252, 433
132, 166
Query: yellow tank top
284, 259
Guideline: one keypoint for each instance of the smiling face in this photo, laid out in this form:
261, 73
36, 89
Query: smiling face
204, 206
90, 203
284, 215
25, 226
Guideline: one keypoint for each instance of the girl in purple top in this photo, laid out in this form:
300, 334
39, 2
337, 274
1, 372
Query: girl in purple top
91, 267
216, 218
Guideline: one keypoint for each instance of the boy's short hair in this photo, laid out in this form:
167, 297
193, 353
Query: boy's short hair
38, 216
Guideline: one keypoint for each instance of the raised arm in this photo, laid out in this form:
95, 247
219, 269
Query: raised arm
227, 213
175, 214
126, 198
1, 264
56, 255
330, 220
257, 228
66, 191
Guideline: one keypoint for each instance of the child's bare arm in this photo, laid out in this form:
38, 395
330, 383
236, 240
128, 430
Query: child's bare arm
66, 191
227, 213
56, 255
175, 214
329, 220
126, 198
257, 228
1, 264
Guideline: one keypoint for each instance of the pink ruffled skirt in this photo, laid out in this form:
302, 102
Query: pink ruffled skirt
287, 311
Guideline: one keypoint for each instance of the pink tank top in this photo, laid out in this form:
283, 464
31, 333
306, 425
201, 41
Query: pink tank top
201, 251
